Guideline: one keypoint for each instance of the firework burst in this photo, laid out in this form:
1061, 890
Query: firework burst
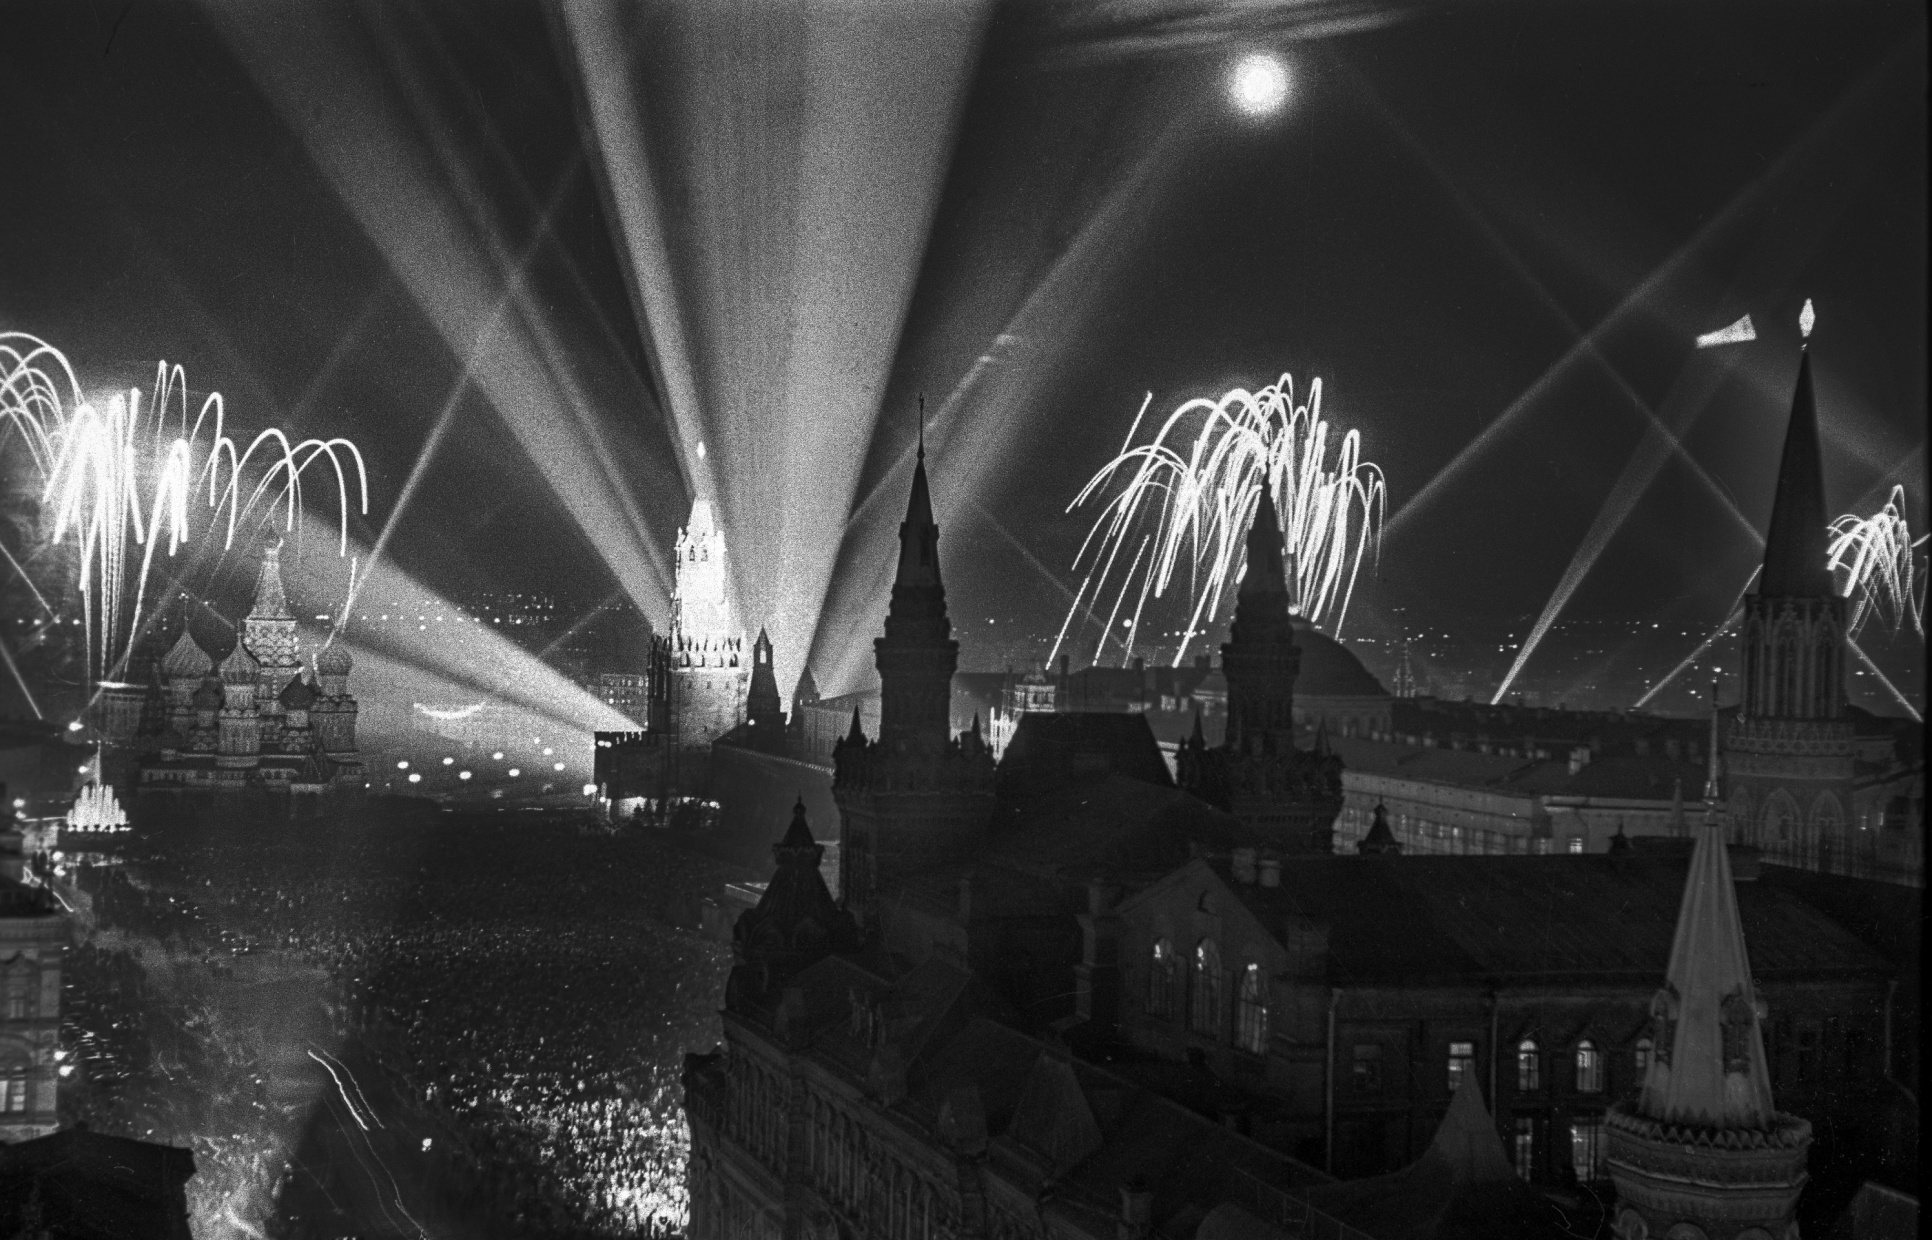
120, 480
1178, 523
1875, 559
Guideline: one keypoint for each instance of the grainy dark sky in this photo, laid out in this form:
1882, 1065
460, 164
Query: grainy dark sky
1448, 203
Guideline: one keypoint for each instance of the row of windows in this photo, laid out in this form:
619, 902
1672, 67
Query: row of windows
1588, 1061
1175, 991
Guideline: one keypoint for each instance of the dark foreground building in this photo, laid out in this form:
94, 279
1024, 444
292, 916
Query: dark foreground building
1062, 996
82, 1185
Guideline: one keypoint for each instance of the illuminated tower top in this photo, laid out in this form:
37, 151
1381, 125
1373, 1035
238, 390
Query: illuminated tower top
917, 656
268, 631
701, 606
1795, 549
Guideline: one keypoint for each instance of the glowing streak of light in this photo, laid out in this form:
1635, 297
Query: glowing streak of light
21, 569
1884, 680
20, 680
1192, 504
1876, 557
1730, 621
342, 1089
96, 463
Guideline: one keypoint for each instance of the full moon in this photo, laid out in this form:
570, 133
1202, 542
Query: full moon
1258, 86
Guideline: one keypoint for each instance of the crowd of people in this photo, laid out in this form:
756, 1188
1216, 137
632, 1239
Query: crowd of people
528, 984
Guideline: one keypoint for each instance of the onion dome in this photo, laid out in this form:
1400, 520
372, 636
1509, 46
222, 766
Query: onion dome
186, 659
240, 667
333, 660
297, 695
208, 697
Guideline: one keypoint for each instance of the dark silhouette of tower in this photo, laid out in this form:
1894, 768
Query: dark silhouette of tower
1791, 748
1289, 796
916, 796
763, 710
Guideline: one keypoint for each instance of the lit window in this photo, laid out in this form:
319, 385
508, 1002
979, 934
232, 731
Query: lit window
1462, 1062
13, 1090
1589, 1068
1576, 844
1367, 1074
1586, 1150
1163, 983
1525, 1147
1204, 1010
1641, 1056
1252, 1032
1529, 1067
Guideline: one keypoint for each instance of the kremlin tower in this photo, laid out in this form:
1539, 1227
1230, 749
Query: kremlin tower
1290, 797
916, 796
704, 651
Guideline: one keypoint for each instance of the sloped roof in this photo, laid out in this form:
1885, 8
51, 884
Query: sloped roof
1330, 669
1601, 915
1107, 822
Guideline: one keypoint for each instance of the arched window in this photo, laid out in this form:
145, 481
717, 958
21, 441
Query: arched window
1163, 982
13, 1088
20, 992
1251, 1032
1589, 1068
1641, 1057
1529, 1067
1204, 1009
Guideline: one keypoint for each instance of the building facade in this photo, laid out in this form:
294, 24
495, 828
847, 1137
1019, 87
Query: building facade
704, 652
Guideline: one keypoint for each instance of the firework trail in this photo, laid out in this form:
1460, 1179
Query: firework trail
1184, 507
119, 480
1877, 557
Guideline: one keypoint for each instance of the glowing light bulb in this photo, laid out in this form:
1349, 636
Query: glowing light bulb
403, 765
548, 752
449, 762
497, 756
462, 774
75, 726
514, 772
415, 777
1258, 86
590, 790
559, 766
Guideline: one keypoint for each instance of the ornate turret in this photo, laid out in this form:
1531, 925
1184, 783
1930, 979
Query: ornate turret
1288, 796
1703, 1143
915, 797
703, 649
268, 631
794, 922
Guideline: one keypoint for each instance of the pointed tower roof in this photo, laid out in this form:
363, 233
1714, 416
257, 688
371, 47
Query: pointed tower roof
186, 658
1266, 574
918, 535
1380, 841
1714, 1075
1466, 1142
807, 688
271, 601
1796, 545
334, 659
858, 731
796, 918
240, 667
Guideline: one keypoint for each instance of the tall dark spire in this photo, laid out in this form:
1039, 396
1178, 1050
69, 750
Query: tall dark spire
1261, 659
763, 708
1266, 578
917, 656
1795, 547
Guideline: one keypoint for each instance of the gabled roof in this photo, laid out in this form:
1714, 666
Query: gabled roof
1047, 748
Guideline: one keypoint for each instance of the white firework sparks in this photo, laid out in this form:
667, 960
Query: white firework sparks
1875, 559
120, 480
1188, 505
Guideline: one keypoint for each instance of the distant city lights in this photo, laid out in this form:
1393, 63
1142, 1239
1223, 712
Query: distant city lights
559, 766
514, 772
415, 777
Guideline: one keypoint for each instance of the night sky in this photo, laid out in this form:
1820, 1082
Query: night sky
1452, 197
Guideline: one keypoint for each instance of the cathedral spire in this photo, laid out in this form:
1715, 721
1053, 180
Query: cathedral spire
1795, 548
271, 601
917, 656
